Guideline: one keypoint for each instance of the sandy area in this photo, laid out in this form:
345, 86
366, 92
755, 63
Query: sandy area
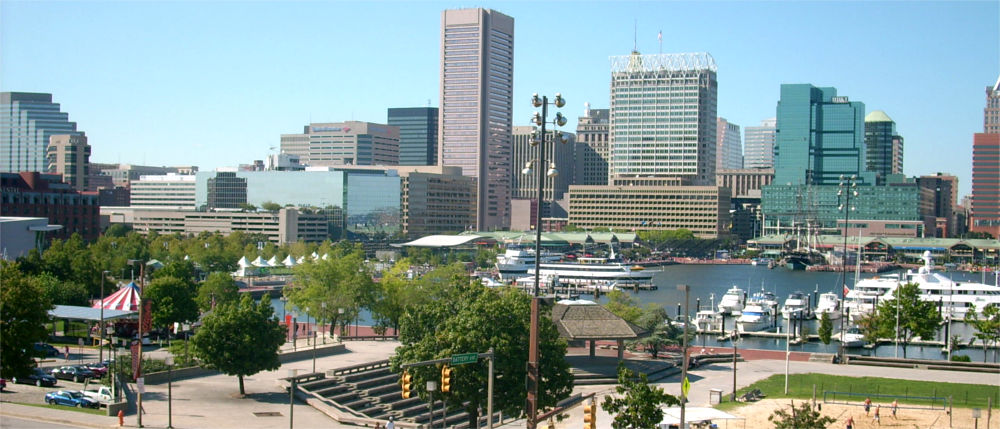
757, 413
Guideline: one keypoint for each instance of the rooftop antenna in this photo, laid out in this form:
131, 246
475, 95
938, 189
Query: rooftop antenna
659, 37
428, 102
635, 35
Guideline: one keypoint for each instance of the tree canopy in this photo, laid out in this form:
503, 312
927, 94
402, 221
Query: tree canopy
327, 286
24, 310
800, 417
218, 287
638, 404
987, 325
240, 338
917, 318
172, 300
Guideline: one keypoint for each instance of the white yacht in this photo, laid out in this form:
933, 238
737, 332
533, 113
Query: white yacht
829, 304
589, 271
517, 260
796, 306
755, 316
866, 293
732, 301
764, 297
708, 321
851, 338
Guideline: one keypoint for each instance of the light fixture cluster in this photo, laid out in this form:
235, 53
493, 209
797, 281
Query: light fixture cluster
538, 136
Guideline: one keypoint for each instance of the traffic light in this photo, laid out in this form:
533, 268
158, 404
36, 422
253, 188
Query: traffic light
407, 382
590, 415
445, 379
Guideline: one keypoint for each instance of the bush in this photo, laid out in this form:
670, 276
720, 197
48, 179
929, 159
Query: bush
960, 358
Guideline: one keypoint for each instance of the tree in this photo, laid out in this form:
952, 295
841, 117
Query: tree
917, 318
801, 417
469, 317
623, 305
240, 338
340, 281
638, 404
825, 328
172, 300
24, 310
987, 327
270, 206
60, 292
218, 287
655, 321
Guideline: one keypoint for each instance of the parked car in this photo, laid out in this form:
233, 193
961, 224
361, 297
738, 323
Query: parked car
102, 395
77, 373
99, 368
37, 377
45, 350
70, 398
3, 384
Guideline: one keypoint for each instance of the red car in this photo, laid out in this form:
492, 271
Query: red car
97, 368
3, 384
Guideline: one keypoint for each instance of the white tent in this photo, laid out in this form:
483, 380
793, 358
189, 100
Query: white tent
315, 256
289, 261
243, 262
260, 262
326, 256
273, 261
672, 416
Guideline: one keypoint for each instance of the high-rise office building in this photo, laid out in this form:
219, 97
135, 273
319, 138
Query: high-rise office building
883, 147
69, 155
27, 121
991, 114
758, 149
939, 197
591, 148
559, 155
344, 143
729, 146
985, 201
663, 119
477, 83
418, 134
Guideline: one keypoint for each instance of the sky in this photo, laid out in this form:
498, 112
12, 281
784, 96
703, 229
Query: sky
215, 84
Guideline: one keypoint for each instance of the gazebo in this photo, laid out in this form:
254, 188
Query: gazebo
127, 298
585, 320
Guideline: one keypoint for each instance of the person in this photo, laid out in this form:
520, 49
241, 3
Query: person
876, 419
868, 405
850, 422
391, 424
895, 406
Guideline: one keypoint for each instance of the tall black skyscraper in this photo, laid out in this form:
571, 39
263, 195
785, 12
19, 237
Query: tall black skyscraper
418, 134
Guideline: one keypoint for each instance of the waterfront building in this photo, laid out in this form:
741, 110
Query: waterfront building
591, 148
69, 155
802, 209
985, 216
883, 146
344, 143
34, 194
287, 225
28, 120
477, 72
744, 182
663, 119
702, 209
939, 198
758, 149
170, 191
418, 134
729, 146
439, 202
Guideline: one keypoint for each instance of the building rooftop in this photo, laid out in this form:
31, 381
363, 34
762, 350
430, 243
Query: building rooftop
877, 116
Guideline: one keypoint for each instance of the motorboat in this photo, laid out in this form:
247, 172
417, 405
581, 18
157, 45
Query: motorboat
587, 271
851, 338
829, 305
796, 306
517, 260
708, 321
764, 297
755, 316
732, 301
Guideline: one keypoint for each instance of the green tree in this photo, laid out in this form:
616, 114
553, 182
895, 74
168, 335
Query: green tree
270, 206
917, 318
172, 300
623, 305
638, 404
468, 317
60, 292
825, 328
661, 333
24, 311
219, 287
240, 339
987, 327
340, 281
801, 417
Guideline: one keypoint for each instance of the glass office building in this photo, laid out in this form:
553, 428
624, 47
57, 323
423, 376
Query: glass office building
418, 134
27, 121
883, 147
758, 147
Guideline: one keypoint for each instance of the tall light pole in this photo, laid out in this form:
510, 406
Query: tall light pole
897, 324
170, 391
788, 352
684, 352
292, 374
100, 349
847, 186
540, 119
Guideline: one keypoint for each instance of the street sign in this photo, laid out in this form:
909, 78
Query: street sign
464, 358
685, 387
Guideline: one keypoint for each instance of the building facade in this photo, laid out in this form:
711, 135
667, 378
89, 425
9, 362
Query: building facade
883, 146
418, 134
344, 143
985, 215
557, 154
729, 146
284, 226
663, 119
939, 193
28, 121
477, 81
170, 191
34, 194
435, 203
124, 174
744, 182
758, 148
591, 148
69, 155
991, 113
702, 209
791, 209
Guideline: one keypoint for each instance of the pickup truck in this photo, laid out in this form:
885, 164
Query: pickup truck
102, 395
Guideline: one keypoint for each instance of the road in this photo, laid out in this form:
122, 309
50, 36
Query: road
8, 422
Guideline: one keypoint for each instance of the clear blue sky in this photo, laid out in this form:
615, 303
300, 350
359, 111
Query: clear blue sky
215, 84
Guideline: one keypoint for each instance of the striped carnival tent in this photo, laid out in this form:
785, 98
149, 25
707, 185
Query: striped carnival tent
126, 299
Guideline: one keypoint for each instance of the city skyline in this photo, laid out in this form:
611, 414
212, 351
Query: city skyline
201, 89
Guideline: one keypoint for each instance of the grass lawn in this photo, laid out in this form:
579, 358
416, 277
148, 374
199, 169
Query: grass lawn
800, 386
99, 412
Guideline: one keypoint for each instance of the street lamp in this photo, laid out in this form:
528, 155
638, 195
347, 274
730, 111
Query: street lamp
100, 349
323, 304
170, 390
684, 352
847, 187
541, 120
292, 374
432, 385
788, 339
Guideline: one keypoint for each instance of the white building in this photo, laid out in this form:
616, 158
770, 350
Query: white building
759, 149
170, 191
729, 152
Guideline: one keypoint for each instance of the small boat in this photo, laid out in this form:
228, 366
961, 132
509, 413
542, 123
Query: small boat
708, 321
732, 301
828, 304
796, 306
764, 297
754, 317
851, 338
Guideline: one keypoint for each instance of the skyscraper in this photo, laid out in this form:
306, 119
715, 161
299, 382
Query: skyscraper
663, 119
344, 143
477, 72
758, 150
591, 148
418, 134
991, 114
69, 155
883, 147
729, 146
27, 122
525, 186
985, 215
820, 136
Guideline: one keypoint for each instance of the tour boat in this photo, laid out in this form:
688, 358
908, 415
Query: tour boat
732, 301
517, 260
708, 321
828, 303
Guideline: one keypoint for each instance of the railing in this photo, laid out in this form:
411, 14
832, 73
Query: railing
359, 368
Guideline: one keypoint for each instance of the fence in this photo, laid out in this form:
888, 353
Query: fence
914, 402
